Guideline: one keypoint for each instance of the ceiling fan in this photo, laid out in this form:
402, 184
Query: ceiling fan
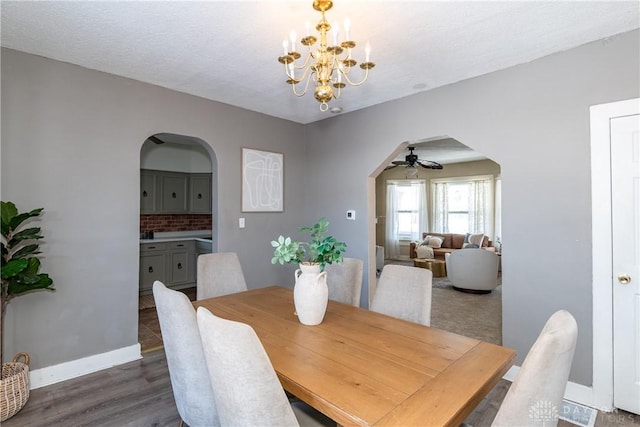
411, 161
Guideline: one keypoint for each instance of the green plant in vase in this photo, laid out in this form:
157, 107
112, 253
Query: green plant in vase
19, 264
321, 249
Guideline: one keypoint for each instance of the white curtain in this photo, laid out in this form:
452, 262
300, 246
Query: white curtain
392, 240
498, 213
422, 212
440, 208
481, 207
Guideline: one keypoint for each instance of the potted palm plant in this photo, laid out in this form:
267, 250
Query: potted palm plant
19, 276
310, 293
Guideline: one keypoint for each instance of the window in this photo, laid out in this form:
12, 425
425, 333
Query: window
458, 195
463, 205
406, 213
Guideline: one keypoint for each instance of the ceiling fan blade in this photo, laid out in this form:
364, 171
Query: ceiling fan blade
428, 164
400, 162
390, 167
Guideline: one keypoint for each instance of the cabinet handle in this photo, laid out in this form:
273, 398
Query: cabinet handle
179, 266
180, 245
199, 195
144, 193
150, 269
173, 195
151, 247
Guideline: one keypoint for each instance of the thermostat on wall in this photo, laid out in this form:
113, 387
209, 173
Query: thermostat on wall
351, 215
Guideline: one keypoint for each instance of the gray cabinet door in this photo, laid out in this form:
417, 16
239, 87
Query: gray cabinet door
152, 268
174, 192
200, 193
181, 262
148, 192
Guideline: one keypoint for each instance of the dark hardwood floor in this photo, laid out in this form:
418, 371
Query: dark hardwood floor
139, 394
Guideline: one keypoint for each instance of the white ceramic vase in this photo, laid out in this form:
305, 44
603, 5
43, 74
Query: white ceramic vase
310, 294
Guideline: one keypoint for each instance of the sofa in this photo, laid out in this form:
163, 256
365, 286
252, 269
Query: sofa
451, 242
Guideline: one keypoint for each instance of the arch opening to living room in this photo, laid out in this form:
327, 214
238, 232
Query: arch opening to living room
462, 199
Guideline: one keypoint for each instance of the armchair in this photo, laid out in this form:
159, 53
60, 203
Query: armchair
473, 270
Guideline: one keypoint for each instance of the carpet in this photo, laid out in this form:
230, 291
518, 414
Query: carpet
472, 315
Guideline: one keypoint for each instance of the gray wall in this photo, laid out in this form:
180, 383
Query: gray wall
533, 120
71, 140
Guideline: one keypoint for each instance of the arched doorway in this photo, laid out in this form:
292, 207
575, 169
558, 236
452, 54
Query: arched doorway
178, 220
463, 168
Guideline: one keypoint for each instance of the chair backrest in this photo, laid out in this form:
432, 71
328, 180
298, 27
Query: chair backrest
345, 281
535, 397
250, 392
404, 292
476, 268
219, 274
185, 358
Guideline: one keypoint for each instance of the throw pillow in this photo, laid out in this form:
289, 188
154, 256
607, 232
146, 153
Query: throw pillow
435, 242
424, 252
473, 239
471, 246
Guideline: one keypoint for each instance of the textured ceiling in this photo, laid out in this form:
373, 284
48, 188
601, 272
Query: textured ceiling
226, 50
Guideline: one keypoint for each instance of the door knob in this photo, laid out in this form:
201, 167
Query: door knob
624, 278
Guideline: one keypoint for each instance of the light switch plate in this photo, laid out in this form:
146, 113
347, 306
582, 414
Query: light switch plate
351, 214
241, 222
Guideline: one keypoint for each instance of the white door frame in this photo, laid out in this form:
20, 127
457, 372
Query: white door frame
602, 290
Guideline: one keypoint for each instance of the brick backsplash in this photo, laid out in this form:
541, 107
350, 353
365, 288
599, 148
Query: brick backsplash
161, 223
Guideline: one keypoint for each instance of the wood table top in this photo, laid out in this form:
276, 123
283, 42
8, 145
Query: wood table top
364, 368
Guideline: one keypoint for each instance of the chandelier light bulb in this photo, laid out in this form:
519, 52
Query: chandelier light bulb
293, 37
347, 29
285, 47
367, 52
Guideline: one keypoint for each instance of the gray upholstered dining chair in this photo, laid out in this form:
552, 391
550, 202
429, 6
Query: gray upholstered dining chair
250, 392
404, 292
219, 274
185, 358
535, 397
345, 281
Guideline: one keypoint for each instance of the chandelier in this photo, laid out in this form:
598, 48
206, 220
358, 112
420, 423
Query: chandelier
329, 65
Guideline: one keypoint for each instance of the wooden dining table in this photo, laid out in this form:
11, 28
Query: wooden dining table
360, 367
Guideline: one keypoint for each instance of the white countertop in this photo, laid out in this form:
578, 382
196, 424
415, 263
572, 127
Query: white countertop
172, 236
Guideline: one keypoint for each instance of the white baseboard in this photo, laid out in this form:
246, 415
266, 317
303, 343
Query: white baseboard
574, 392
76, 368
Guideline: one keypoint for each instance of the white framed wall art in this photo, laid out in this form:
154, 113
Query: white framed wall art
262, 181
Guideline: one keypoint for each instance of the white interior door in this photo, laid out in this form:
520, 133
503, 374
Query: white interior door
625, 216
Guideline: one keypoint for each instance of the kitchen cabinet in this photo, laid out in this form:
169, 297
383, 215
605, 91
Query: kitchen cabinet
173, 192
203, 247
152, 265
181, 265
200, 193
148, 192
172, 263
163, 192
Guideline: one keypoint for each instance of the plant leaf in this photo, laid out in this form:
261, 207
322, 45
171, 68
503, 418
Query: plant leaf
14, 267
43, 282
32, 233
20, 218
26, 250
8, 210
